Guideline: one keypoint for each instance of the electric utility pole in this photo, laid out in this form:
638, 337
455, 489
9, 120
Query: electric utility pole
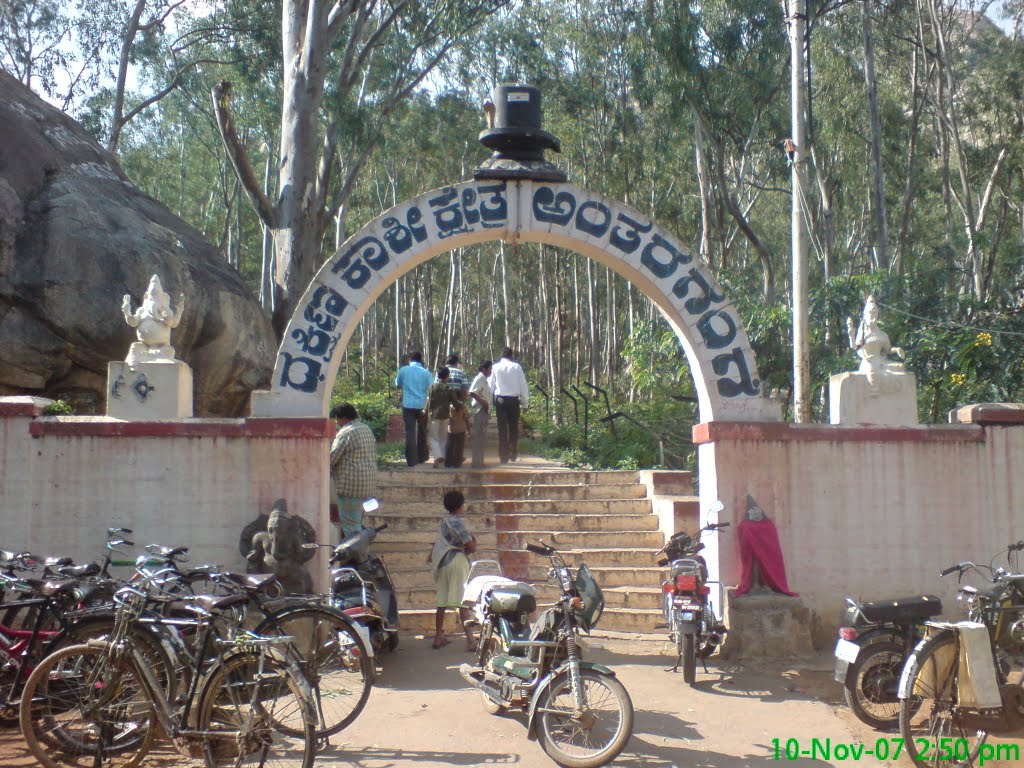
797, 21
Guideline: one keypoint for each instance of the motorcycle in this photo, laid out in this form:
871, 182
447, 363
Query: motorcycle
963, 681
688, 610
874, 642
579, 711
361, 585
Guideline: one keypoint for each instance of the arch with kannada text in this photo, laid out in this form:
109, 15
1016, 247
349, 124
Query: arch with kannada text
564, 215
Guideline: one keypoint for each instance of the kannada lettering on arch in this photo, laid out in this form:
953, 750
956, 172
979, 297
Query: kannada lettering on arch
458, 211
316, 341
728, 387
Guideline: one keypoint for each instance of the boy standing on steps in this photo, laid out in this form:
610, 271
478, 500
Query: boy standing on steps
451, 567
458, 431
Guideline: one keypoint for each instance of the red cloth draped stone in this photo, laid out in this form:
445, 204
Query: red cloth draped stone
759, 541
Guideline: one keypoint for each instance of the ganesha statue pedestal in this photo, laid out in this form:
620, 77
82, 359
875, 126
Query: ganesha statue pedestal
153, 391
888, 400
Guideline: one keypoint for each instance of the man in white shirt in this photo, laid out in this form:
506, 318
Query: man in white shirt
511, 393
480, 408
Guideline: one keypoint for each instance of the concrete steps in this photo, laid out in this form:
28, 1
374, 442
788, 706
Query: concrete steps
517, 474
421, 621
420, 597
603, 519
485, 507
553, 491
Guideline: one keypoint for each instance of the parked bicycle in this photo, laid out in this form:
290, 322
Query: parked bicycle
99, 704
961, 685
54, 620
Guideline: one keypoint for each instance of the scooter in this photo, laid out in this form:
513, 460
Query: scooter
361, 585
689, 613
875, 640
579, 711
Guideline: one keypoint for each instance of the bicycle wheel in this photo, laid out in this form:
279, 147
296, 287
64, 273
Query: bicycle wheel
99, 627
83, 706
875, 677
256, 710
929, 715
589, 738
334, 659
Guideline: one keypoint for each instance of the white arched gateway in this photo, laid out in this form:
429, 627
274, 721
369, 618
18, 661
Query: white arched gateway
712, 335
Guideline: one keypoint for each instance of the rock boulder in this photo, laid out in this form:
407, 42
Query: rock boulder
75, 236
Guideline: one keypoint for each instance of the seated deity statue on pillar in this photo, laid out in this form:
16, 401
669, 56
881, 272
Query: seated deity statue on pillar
150, 384
153, 322
881, 391
872, 346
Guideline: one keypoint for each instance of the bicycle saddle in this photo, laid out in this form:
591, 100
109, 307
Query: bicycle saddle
251, 582
212, 603
79, 571
50, 588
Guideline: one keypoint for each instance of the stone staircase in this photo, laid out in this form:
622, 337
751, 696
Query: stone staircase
603, 519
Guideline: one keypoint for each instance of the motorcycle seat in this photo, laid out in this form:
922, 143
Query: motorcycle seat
902, 609
479, 586
690, 566
513, 598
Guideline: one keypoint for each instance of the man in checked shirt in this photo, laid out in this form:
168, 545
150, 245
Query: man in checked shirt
353, 467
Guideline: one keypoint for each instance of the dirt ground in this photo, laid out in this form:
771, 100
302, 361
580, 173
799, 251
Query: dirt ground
421, 714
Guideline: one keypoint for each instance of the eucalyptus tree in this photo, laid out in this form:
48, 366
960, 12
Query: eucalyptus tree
346, 64
724, 61
33, 34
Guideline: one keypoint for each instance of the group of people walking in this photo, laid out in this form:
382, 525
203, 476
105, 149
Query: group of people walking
443, 410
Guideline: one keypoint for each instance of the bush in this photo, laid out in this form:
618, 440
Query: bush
375, 408
389, 454
59, 408
632, 447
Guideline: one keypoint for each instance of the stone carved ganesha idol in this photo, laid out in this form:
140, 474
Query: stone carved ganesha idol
277, 548
153, 322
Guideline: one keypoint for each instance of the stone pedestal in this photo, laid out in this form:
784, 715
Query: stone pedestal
766, 625
155, 391
890, 401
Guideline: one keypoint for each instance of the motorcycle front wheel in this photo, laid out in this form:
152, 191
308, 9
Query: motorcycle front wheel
590, 738
872, 682
929, 716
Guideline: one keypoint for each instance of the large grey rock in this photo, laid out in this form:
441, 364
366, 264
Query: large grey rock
75, 236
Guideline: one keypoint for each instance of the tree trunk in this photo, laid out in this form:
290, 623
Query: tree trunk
704, 183
878, 179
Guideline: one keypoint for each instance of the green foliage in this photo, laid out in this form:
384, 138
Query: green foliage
665, 428
390, 454
655, 360
375, 406
59, 408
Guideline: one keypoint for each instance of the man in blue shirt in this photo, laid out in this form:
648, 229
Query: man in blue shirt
414, 380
